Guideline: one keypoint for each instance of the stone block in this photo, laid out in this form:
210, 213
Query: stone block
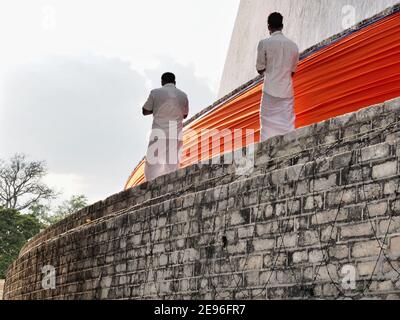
376, 152
366, 249
358, 230
395, 246
384, 170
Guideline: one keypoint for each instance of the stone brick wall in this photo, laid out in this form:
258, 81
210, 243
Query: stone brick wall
321, 203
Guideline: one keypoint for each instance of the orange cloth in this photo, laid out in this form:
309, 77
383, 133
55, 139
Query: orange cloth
359, 70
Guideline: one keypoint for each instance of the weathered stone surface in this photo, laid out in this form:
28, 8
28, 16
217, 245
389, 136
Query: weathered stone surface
366, 249
358, 230
395, 246
384, 170
286, 231
379, 151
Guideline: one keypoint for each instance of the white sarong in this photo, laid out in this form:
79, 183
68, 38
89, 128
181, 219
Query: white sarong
169, 106
163, 157
277, 116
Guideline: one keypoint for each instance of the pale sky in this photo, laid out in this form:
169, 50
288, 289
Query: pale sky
74, 75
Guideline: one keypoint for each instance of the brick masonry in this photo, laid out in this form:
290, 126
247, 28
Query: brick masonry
320, 201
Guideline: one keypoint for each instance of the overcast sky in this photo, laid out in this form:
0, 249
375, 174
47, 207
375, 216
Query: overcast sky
74, 75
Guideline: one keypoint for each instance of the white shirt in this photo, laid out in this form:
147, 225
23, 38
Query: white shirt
279, 57
168, 103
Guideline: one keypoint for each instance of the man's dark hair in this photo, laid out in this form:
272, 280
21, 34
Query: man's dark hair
168, 77
275, 20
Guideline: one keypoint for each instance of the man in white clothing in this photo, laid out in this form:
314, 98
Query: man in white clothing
169, 106
277, 59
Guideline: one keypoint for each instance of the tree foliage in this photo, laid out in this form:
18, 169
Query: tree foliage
71, 206
15, 230
42, 212
68, 207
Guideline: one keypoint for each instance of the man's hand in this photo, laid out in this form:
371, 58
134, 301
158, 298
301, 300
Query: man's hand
146, 112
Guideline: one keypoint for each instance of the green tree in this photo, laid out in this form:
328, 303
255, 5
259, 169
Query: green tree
43, 213
69, 207
15, 230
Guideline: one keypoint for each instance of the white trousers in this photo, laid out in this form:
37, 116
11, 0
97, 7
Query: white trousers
277, 116
163, 157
